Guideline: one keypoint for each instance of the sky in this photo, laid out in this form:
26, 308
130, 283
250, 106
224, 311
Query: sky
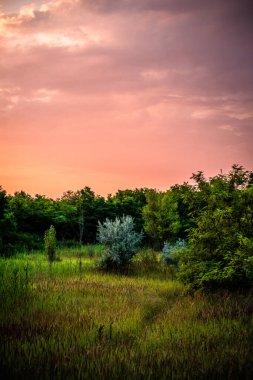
117, 94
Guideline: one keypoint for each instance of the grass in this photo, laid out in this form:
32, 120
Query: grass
61, 322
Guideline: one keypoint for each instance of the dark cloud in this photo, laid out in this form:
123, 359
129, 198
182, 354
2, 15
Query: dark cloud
236, 8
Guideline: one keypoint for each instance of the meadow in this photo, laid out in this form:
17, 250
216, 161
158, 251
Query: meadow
72, 321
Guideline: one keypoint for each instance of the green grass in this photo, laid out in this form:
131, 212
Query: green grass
61, 322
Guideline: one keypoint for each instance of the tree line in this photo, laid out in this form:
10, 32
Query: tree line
205, 211
75, 216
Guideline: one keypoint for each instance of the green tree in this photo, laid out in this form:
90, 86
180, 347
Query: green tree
78, 214
182, 194
130, 202
220, 254
161, 217
8, 225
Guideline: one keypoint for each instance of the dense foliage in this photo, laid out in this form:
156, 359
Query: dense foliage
121, 241
221, 246
214, 216
24, 219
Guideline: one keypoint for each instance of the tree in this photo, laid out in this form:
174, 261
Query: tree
130, 202
221, 246
161, 217
7, 225
32, 216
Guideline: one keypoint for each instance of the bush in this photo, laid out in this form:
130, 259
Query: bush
221, 249
230, 269
147, 257
120, 240
172, 252
50, 244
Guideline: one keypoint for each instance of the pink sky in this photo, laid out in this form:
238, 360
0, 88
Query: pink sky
117, 94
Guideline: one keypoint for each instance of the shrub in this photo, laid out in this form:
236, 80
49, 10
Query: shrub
50, 244
172, 252
230, 269
221, 250
120, 240
147, 257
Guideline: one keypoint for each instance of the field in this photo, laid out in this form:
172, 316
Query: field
71, 321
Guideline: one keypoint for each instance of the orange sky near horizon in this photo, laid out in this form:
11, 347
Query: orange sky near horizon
123, 94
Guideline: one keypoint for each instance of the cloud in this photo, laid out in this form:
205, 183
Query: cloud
169, 6
117, 79
77, 51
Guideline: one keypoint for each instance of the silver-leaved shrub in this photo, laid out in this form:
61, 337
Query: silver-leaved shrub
171, 252
120, 240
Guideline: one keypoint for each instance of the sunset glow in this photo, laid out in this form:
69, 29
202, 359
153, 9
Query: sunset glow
117, 94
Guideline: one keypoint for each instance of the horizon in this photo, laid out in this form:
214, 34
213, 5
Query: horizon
190, 182
123, 94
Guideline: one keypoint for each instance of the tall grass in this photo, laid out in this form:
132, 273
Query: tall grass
63, 324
